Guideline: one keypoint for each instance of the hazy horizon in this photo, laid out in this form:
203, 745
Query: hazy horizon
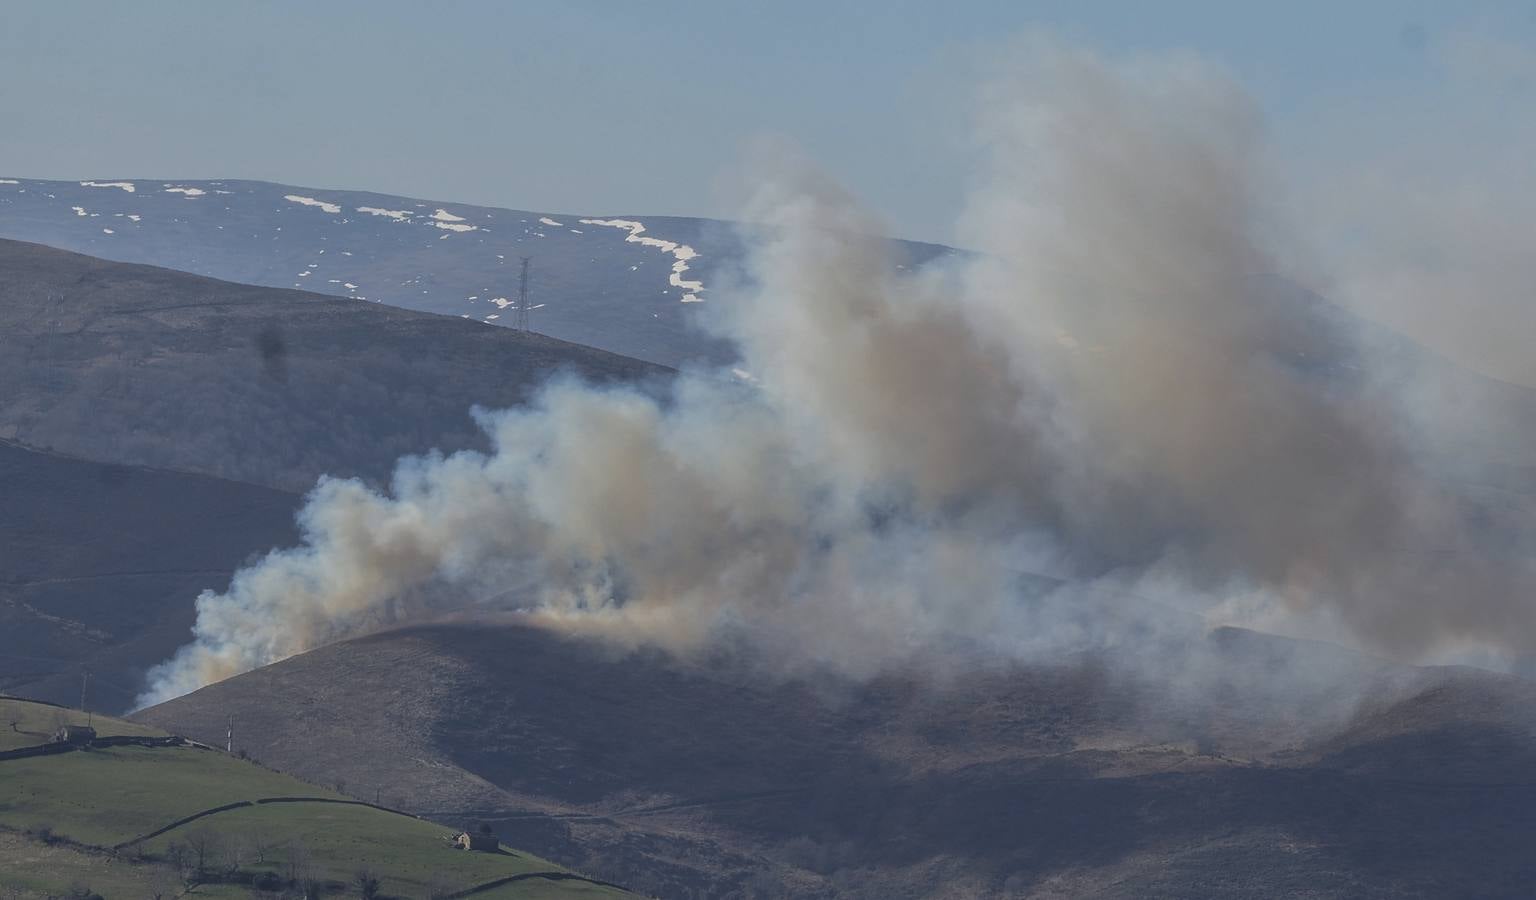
584, 107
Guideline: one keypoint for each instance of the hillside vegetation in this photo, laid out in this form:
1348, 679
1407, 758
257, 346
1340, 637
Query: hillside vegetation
147, 821
706, 779
100, 564
133, 364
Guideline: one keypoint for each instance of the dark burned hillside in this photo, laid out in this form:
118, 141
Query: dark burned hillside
140, 365
702, 779
99, 565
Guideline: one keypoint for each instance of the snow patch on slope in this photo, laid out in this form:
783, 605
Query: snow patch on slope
449, 222
681, 253
399, 215
331, 208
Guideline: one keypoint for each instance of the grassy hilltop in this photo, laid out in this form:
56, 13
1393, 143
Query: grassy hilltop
168, 821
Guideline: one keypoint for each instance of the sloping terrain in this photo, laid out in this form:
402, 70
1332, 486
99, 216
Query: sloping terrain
27, 723
136, 819
99, 565
606, 285
133, 364
704, 779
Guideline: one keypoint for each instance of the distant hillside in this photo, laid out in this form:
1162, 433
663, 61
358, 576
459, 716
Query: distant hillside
165, 819
99, 565
703, 779
591, 283
134, 364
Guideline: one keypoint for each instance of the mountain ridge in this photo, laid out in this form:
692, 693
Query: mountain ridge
600, 283
140, 364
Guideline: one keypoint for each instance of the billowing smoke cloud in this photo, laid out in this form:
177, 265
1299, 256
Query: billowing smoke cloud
1114, 390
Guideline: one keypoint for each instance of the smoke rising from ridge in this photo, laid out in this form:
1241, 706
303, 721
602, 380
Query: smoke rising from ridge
1108, 390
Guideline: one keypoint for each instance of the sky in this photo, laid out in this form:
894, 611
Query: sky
630, 108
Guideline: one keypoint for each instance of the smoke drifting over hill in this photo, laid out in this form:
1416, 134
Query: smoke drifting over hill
1096, 393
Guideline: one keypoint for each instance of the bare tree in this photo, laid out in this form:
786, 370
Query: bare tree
178, 855
165, 884
260, 844
206, 846
237, 852
367, 883
296, 861
297, 866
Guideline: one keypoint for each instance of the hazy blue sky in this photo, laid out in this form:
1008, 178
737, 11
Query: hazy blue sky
634, 107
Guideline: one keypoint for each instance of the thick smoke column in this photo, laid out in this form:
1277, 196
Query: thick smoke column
1101, 390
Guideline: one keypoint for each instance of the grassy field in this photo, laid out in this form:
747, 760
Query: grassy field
31, 868
61, 816
108, 796
335, 837
24, 723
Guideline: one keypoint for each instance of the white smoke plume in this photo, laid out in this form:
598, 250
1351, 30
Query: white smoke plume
1108, 390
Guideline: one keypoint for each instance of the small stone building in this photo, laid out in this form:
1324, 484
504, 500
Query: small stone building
74, 734
484, 840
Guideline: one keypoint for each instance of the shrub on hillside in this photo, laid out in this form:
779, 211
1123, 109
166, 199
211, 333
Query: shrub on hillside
44, 832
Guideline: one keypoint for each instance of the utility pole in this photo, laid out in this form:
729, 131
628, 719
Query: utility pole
229, 736
85, 679
522, 297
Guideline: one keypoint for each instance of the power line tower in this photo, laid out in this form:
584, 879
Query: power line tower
522, 297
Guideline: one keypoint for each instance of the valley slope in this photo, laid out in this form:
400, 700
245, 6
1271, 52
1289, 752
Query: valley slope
135, 364
99, 565
711, 778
